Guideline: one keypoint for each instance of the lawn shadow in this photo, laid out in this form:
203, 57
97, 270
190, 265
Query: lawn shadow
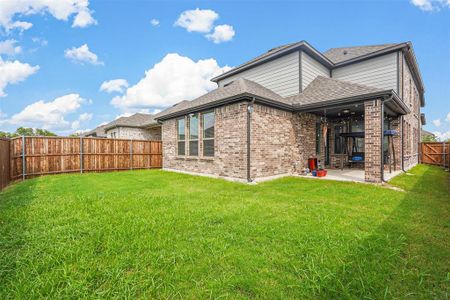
382, 264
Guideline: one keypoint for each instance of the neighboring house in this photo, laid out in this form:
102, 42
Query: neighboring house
270, 115
137, 127
97, 132
428, 136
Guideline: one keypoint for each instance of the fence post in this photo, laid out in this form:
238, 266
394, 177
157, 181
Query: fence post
443, 154
24, 168
131, 154
81, 154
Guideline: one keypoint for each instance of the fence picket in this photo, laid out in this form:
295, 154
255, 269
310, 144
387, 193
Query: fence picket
53, 155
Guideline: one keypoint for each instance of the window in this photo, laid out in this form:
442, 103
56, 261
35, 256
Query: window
208, 120
181, 137
193, 134
337, 139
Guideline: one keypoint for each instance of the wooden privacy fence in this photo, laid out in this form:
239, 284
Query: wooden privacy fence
4, 163
33, 156
435, 153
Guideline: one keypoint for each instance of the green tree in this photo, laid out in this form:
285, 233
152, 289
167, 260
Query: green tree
27, 132
429, 138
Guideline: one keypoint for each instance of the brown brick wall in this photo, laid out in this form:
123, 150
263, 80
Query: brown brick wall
305, 128
230, 158
372, 142
411, 121
273, 140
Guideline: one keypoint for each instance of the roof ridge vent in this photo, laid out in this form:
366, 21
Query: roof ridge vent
345, 52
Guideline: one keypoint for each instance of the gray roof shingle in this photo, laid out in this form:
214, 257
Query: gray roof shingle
323, 89
136, 120
99, 131
338, 55
236, 88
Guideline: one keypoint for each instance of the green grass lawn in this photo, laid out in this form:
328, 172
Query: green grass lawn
155, 234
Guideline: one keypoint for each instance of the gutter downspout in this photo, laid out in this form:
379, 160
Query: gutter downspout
249, 113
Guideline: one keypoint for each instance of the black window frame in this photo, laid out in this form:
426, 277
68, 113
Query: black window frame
192, 141
179, 140
204, 137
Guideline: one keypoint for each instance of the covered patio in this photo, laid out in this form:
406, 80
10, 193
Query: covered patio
360, 140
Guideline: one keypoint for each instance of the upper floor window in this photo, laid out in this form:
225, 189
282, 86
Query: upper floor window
181, 137
193, 134
208, 120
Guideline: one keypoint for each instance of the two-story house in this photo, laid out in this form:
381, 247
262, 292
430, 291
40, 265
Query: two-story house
355, 107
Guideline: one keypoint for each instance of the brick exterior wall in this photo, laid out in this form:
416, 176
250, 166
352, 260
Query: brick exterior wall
135, 133
230, 159
273, 142
372, 141
305, 128
410, 124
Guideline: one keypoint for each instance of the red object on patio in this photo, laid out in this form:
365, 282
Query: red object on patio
312, 164
321, 173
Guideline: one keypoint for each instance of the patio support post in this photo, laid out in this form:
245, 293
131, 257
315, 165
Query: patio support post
373, 143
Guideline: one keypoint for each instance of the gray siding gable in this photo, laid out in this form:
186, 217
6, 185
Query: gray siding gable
280, 75
310, 69
380, 72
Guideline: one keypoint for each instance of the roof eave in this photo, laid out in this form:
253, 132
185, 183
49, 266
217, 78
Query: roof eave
225, 101
402, 109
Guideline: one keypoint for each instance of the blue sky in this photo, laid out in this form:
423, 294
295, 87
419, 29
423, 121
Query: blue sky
55, 59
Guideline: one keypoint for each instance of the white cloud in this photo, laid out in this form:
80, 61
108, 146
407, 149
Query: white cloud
75, 124
84, 19
20, 25
81, 55
48, 115
423, 4
12, 72
222, 33
9, 47
60, 9
155, 22
127, 114
85, 117
40, 41
442, 136
115, 85
431, 5
82, 118
437, 122
173, 79
198, 20
448, 117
